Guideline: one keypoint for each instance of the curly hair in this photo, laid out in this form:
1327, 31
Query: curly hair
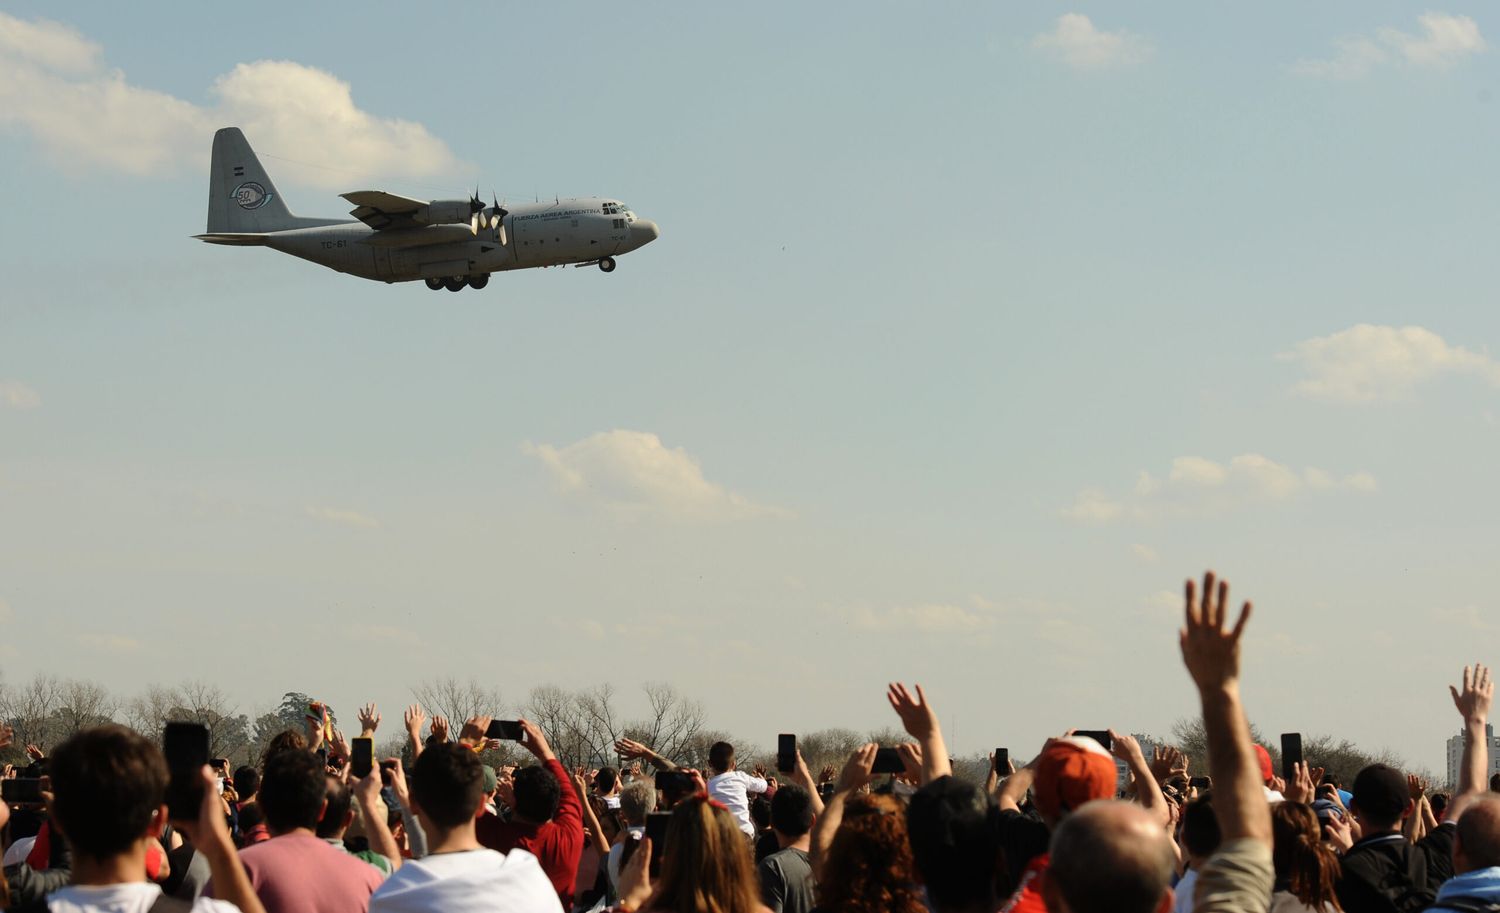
869, 867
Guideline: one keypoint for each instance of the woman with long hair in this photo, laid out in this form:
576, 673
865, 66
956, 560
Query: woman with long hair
1306, 868
869, 866
706, 866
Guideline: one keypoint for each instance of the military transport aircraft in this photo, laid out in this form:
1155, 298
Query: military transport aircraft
449, 243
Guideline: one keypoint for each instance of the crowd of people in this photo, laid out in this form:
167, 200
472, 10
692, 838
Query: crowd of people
302, 832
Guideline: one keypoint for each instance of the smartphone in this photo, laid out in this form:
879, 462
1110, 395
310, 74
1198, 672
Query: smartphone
509, 730
219, 764
1291, 753
887, 761
825, 790
656, 829
1200, 782
1098, 735
673, 782
186, 748
1002, 762
21, 790
786, 753
387, 772
361, 756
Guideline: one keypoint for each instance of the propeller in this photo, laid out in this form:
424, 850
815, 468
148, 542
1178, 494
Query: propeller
476, 206
497, 219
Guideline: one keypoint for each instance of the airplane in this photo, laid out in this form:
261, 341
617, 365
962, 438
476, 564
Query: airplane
452, 244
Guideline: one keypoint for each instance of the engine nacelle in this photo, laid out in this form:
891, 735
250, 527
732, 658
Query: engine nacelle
443, 212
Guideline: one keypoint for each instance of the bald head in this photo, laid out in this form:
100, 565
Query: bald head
1109, 857
1477, 845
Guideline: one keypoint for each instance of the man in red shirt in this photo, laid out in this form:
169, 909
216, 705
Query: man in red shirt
546, 817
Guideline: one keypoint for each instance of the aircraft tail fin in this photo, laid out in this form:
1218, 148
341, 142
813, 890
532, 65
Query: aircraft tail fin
241, 197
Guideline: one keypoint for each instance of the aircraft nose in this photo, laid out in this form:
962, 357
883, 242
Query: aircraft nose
643, 232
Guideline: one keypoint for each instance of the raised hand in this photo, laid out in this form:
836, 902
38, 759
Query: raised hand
1167, 762
34, 753
1473, 702
439, 730
629, 749
827, 774
340, 747
535, 740
398, 782
1301, 789
916, 714
857, 770
1416, 787
911, 758
413, 719
1125, 747
7, 735
1210, 652
473, 731
369, 720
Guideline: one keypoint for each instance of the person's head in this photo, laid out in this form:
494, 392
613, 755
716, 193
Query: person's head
1109, 857
1071, 772
285, 740
721, 757
706, 863
869, 865
339, 810
293, 788
1302, 860
606, 781
637, 800
1439, 802
1200, 828
447, 785
760, 812
791, 812
1263, 758
537, 794
109, 786
955, 841
246, 782
1381, 798
1477, 843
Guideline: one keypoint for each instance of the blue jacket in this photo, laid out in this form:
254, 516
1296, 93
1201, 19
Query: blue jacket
1481, 884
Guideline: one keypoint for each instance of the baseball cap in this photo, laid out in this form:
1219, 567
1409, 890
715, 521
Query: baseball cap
1264, 757
1071, 771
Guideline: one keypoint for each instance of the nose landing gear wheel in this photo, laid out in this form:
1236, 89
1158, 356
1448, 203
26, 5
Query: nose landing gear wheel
434, 284
607, 264
479, 281
456, 284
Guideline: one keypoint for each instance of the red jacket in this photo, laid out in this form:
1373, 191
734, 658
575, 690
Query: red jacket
556, 844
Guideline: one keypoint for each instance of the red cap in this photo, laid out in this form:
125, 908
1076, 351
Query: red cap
1264, 757
1070, 772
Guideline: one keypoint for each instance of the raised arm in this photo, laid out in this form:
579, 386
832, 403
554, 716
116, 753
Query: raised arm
1014, 788
1473, 704
1147, 791
921, 723
804, 778
210, 836
367, 794
629, 748
856, 774
591, 828
1211, 653
414, 719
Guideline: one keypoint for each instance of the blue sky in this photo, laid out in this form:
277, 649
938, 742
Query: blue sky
970, 333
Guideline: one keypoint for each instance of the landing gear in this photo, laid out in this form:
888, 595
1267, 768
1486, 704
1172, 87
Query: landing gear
434, 284
607, 264
479, 281
456, 284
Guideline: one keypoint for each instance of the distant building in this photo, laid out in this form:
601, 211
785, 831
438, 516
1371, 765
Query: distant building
1456, 754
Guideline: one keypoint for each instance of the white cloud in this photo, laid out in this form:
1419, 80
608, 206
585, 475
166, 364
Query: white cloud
633, 472
1196, 486
343, 517
1442, 41
929, 618
1367, 363
16, 395
1145, 552
1078, 43
54, 86
105, 642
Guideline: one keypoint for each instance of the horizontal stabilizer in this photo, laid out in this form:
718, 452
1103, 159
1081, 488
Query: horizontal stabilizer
235, 239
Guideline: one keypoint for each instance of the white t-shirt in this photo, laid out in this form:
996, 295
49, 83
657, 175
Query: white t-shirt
734, 789
475, 881
617, 852
1184, 892
133, 897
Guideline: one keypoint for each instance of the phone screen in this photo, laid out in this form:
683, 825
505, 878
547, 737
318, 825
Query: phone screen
1291, 753
185, 746
656, 829
887, 761
1002, 762
362, 756
786, 753
509, 730
21, 790
1098, 735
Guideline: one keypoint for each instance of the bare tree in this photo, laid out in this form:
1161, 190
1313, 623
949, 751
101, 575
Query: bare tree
31, 710
673, 723
148, 712
458, 700
82, 705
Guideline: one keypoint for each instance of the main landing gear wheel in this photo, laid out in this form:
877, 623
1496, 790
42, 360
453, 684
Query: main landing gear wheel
607, 264
456, 284
434, 284
479, 281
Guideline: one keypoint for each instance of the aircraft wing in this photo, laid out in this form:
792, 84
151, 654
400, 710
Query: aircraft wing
381, 210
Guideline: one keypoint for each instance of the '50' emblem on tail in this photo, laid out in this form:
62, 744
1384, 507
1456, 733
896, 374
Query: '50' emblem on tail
250, 195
